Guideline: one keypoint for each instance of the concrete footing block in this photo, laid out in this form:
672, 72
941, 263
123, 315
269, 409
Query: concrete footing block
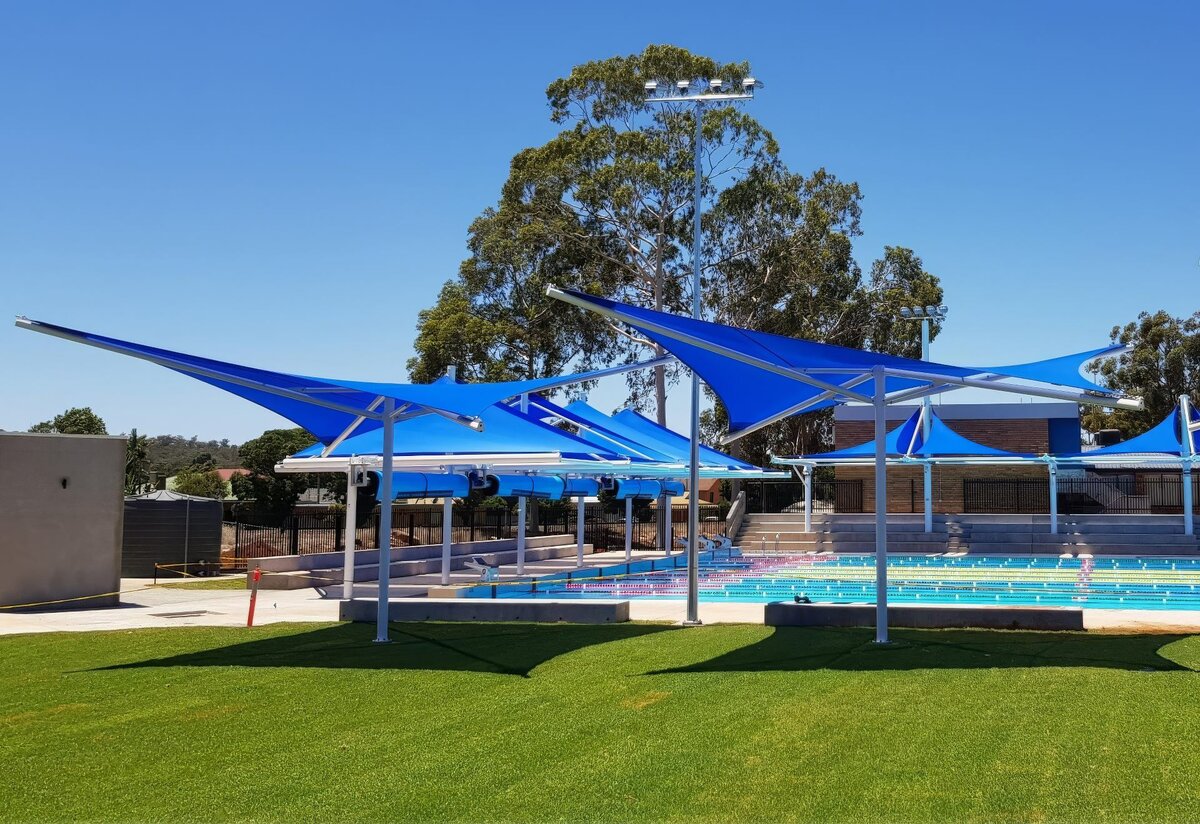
787, 614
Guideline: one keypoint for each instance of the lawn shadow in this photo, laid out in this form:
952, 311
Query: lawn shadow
505, 649
818, 648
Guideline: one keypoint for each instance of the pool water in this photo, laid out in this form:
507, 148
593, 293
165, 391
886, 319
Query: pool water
1114, 583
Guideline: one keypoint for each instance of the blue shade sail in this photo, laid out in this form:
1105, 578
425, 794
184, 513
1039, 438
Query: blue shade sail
1064, 370
1164, 438
753, 393
635, 428
323, 406
506, 430
908, 440
425, 485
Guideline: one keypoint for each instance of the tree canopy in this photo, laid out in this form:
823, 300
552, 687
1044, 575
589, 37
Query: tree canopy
78, 420
606, 206
1163, 364
274, 495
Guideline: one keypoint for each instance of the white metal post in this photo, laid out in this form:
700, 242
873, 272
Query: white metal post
880, 403
579, 532
447, 534
628, 529
521, 535
351, 537
1053, 498
693, 541
806, 476
666, 522
1185, 453
385, 521
926, 428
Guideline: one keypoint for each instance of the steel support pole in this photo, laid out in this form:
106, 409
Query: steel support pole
521, 536
447, 534
579, 507
806, 476
385, 521
1189, 527
666, 522
351, 536
693, 542
880, 403
628, 529
1053, 498
926, 428
1185, 452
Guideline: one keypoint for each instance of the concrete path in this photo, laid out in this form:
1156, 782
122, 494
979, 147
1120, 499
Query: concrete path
143, 605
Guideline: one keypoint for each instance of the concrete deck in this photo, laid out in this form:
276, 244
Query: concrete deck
146, 606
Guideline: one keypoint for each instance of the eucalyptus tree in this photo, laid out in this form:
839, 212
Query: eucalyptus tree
1162, 364
605, 205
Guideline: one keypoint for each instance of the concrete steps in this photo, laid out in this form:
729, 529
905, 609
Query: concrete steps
426, 563
977, 534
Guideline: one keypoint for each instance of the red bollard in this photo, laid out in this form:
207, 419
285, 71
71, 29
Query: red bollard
253, 595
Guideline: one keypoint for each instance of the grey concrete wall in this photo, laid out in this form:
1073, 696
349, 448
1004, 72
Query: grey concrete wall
61, 505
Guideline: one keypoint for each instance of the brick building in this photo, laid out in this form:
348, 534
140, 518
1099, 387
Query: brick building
1035, 428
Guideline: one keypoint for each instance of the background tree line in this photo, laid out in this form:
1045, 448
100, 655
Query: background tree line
606, 206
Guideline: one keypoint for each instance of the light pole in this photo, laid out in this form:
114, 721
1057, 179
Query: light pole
925, 314
698, 93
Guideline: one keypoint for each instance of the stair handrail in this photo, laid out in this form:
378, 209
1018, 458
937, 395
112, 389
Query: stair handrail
736, 514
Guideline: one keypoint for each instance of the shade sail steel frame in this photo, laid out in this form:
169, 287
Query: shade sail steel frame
347, 407
689, 339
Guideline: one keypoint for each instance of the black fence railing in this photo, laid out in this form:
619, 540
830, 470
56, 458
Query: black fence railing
788, 496
1080, 495
604, 528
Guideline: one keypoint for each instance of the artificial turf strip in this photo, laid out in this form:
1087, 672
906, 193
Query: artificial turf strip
620, 722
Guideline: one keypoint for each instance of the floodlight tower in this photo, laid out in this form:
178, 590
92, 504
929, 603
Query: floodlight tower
925, 314
697, 93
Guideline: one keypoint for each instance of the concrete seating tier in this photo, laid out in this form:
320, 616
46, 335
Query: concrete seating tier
977, 534
325, 569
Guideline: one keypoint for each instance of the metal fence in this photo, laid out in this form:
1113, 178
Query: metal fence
305, 534
788, 496
1080, 495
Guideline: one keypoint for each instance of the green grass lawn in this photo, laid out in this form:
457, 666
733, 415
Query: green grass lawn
625, 722
227, 582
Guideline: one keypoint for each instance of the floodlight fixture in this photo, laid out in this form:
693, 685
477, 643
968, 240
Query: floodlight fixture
715, 86
651, 87
683, 86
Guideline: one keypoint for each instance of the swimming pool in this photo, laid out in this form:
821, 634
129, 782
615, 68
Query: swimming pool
1112, 583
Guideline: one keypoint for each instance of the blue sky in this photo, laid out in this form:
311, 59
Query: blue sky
287, 184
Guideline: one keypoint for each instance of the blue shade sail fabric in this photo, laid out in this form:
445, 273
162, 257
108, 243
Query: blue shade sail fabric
1064, 370
752, 394
908, 441
506, 430
425, 485
636, 429
307, 401
1164, 438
